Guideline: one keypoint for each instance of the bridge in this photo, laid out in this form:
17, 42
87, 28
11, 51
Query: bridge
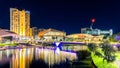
61, 43
117, 45
68, 47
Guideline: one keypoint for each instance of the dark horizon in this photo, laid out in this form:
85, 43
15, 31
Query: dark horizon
68, 16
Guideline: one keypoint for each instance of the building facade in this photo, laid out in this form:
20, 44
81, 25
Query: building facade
52, 35
84, 38
97, 32
27, 25
34, 32
8, 36
20, 22
31, 33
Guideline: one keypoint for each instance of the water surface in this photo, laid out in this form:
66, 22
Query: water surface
32, 57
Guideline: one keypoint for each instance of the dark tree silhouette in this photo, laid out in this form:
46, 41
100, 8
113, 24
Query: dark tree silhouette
109, 52
92, 47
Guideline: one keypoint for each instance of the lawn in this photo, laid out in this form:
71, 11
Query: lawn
98, 61
117, 55
8, 44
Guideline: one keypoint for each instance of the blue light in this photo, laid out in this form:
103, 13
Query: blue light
57, 43
57, 51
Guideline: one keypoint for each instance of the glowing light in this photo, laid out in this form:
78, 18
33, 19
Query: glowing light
57, 43
93, 20
57, 51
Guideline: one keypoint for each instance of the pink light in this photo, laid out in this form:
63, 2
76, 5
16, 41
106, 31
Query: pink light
93, 20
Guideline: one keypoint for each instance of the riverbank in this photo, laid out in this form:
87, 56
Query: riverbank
8, 44
84, 60
98, 61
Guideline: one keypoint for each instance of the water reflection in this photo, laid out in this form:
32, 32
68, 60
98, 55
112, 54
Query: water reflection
50, 57
22, 58
5, 56
57, 50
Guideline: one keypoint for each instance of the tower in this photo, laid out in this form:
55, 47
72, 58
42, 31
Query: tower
20, 22
14, 20
27, 25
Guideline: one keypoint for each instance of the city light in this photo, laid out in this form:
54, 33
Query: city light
57, 43
93, 20
57, 51
36, 39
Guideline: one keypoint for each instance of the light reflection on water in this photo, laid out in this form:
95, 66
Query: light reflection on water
22, 58
50, 56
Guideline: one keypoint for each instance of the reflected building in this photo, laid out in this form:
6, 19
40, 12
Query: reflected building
51, 58
5, 56
22, 58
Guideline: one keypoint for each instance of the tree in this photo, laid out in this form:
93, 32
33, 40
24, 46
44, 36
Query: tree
108, 52
112, 38
95, 49
92, 47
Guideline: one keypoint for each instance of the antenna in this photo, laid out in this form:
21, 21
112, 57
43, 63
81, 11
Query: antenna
92, 20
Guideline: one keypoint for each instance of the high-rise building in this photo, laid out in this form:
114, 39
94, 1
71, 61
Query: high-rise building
14, 20
27, 20
31, 33
20, 22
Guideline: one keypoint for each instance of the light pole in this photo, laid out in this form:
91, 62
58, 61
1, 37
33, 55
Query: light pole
92, 20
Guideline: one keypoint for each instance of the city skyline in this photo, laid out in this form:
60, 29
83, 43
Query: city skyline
67, 16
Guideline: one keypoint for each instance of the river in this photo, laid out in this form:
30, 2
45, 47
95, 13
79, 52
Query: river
36, 57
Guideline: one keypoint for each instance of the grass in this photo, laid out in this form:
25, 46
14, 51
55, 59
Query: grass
8, 44
98, 61
117, 55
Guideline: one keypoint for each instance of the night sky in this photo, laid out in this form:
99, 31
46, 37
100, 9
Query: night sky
68, 16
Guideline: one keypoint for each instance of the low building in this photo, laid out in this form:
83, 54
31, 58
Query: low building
35, 32
97, 32
84, 38
8, 36
51, 35
116, 37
